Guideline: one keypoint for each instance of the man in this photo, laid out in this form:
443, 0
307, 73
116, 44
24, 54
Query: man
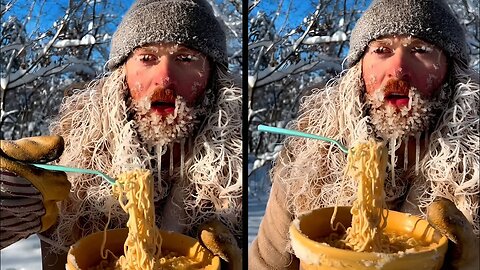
168, 105
409, 85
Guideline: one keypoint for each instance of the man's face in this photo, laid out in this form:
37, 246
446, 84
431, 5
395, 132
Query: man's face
403, 78
166, 82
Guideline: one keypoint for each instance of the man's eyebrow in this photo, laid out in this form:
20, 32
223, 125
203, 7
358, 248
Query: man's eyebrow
178, 49
416, 41
147, 48
389, 41
383, 41
184, 49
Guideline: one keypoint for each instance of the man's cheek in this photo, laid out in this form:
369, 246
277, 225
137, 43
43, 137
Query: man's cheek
136, 90
428, 86
371, 80
197, 89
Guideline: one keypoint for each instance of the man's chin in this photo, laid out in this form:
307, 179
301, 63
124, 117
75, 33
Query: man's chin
155, 129
164, 133
400, 117
161, 124
392, 124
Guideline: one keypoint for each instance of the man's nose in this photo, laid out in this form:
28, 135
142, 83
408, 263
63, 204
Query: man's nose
163, 73
400, 65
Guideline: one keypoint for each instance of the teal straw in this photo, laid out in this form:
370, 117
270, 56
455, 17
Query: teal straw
290, 132
74, 170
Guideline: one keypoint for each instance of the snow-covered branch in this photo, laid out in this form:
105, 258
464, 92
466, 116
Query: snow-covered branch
287, 54
47, 45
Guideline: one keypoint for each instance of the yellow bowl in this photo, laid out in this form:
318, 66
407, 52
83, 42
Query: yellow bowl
85, 252
320, 256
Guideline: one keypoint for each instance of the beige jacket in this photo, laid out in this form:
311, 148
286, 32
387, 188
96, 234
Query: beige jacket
269, 250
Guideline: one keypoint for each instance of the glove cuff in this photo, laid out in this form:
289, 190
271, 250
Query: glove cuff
50, 217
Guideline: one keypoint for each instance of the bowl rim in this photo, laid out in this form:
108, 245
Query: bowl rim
213, 261
440, 246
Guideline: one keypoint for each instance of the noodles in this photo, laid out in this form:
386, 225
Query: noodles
390, 243
142, 248
367, 163
143, 245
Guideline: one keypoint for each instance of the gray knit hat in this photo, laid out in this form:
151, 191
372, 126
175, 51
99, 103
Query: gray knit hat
189, 22
429, 20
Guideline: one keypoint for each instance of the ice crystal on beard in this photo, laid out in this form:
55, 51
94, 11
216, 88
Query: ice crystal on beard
407, 121
155, 129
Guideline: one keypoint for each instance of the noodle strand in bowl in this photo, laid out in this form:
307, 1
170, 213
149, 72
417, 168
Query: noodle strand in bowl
143, 245
142, 248
367, 163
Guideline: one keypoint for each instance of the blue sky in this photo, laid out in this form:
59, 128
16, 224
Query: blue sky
54, 9
299, 8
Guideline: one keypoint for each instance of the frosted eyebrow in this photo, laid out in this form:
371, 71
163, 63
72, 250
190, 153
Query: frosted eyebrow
179, 49
411, 42
189, 51
147, 49
381, 42
418, 42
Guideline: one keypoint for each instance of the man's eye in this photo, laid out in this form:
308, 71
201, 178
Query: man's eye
382, 50
147, 58
421, 49
187, 58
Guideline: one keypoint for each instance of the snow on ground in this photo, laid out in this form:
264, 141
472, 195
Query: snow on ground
23, 255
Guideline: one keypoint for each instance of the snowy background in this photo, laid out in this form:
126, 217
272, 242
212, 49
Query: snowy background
23, 255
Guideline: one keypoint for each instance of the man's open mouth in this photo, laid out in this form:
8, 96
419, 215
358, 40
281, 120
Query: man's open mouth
396, 92
163, 108
397, 99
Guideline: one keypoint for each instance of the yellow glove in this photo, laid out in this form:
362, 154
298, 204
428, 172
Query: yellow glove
462, 253
29, 194
216, 237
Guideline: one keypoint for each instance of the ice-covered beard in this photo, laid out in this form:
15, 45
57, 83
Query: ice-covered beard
155, 129
392, 122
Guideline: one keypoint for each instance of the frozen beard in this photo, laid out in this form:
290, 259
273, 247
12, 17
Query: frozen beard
159, 129
392, 122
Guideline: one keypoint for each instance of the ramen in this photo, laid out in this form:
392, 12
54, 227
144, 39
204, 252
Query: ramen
142, 248
367, 163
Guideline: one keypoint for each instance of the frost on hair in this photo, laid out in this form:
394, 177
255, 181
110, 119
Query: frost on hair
452, 163
313, 171
100, 134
